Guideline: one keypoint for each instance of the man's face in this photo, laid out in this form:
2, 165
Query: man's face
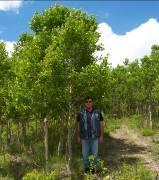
88, 103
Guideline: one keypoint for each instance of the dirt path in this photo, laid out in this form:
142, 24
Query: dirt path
127, 145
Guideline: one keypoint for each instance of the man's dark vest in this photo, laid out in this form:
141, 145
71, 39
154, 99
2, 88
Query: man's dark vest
95, 124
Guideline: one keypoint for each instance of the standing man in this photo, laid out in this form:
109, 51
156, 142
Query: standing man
90, 132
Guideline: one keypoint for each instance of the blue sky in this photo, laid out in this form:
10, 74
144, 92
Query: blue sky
128, 28
122, 16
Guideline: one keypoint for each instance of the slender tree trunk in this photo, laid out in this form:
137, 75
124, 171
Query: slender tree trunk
24, 132
18, 132
36, 127
62, 136
59, 147
46, 144
27, 128
144, 109
112, 111
137, 108
1, 128
69, 138
140, 110
8, 132
69, 144
150, 116
129, 109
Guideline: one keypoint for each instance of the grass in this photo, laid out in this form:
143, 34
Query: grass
40, 175
137, 122
134, 122
58, 164
112, 124
134, 172
148, 131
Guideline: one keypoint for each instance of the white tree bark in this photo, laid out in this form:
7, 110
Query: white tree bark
46, 143
69, 132
150, 117
0, 136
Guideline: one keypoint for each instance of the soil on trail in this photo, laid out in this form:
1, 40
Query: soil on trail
127, 145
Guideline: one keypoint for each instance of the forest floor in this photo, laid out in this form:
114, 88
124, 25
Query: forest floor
128, 146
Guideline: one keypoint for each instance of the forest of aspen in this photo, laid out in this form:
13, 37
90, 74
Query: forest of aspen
43, 83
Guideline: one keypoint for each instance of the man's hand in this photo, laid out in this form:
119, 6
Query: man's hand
101, 140
78, 140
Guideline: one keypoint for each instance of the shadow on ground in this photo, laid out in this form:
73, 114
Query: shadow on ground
116, 151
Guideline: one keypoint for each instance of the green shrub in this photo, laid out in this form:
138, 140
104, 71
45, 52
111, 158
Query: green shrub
112, 124
99, 167
148, 131
134, 121
3, 172
15, 148
58, 163
36, 175
38, 153
4, 164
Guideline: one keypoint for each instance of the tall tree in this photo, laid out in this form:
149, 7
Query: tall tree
63, 42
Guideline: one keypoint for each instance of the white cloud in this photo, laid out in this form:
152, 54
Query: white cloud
134, 44
10, 5
9, 46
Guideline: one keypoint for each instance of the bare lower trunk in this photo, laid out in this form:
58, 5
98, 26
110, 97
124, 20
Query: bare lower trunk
144, 109
24, 132
69, 140
46, 143
36, 127
8, 132
150, 116
62, 137
18, 132
69, 145
59, 147
137, 108
27, 128
1, 128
